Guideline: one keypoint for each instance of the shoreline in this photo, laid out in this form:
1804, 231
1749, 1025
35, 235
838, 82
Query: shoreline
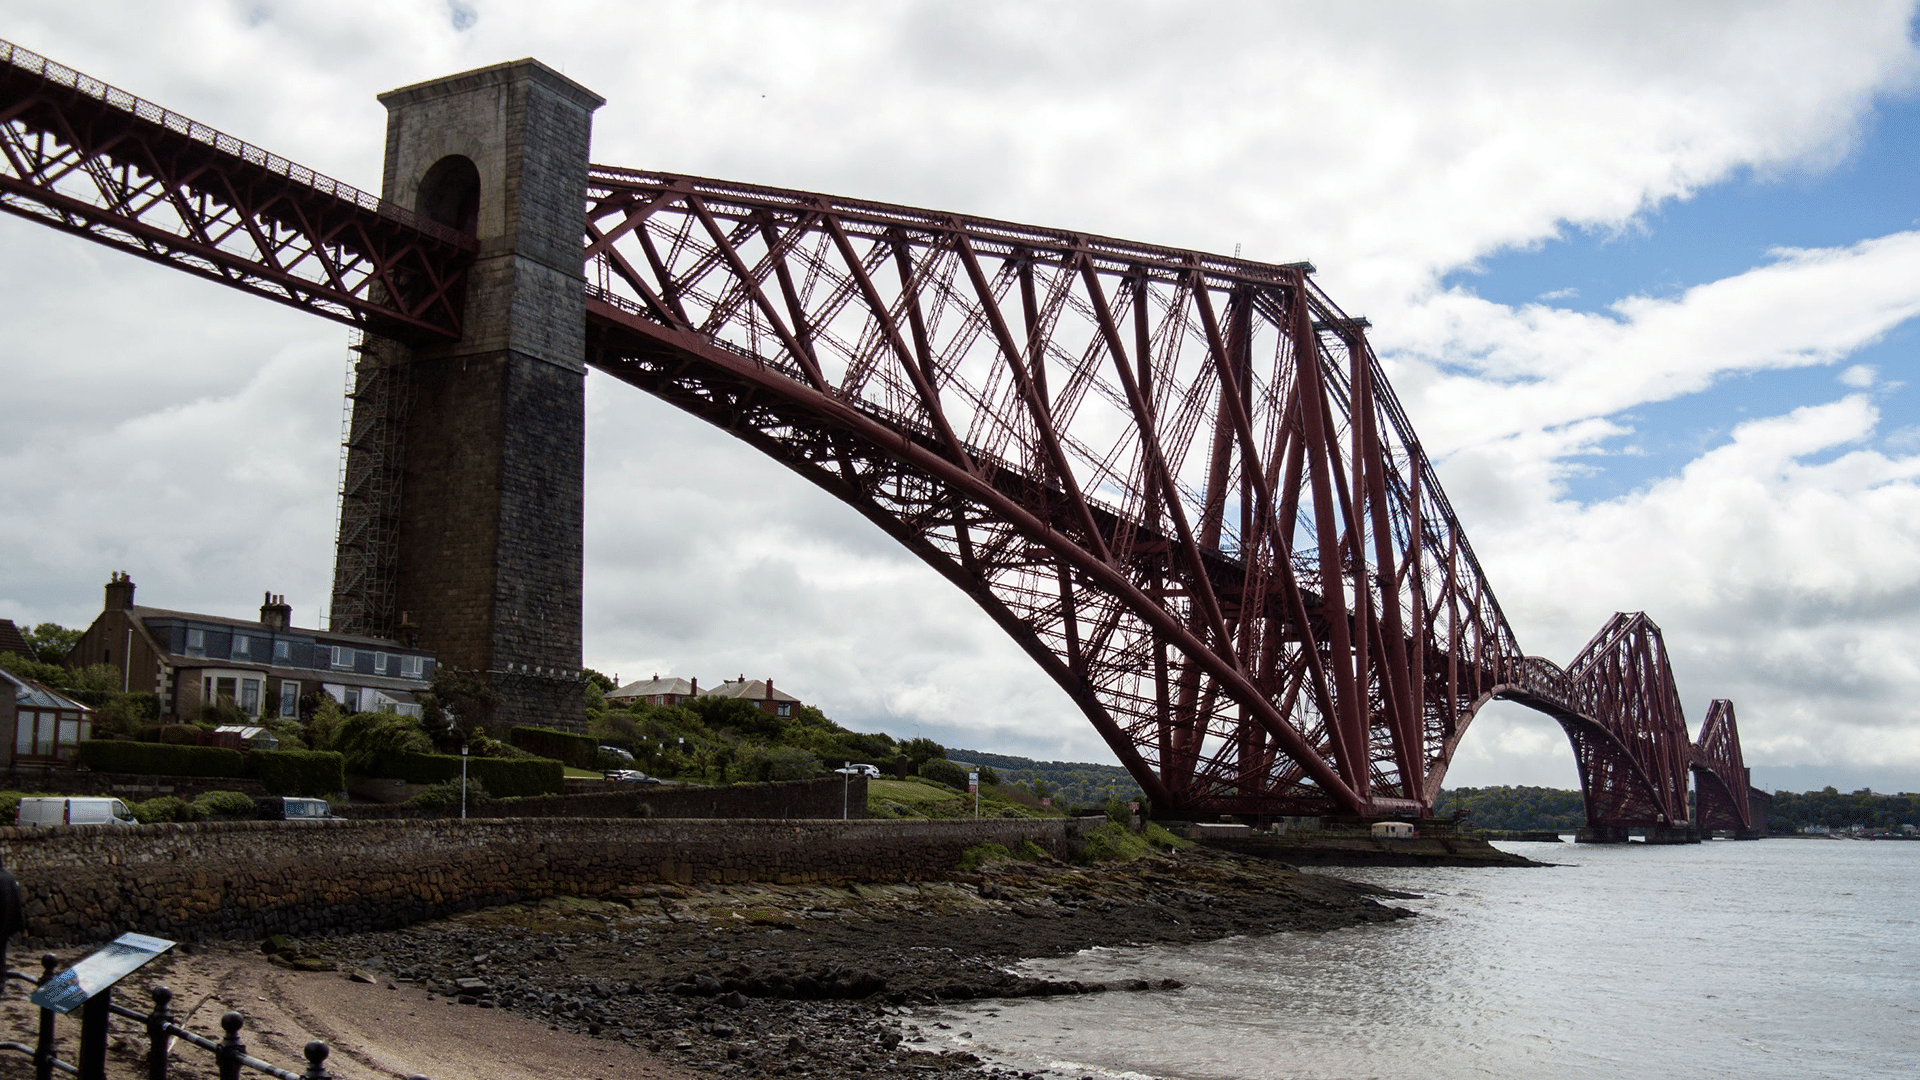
761, 980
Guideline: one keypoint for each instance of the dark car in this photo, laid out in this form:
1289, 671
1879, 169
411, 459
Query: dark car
289, 808
629, 776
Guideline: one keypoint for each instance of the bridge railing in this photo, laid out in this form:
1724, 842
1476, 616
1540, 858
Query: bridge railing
1543, 678
59, 74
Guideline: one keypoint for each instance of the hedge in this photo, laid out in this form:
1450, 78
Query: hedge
564, 746
504, 778
314, 773
159, 759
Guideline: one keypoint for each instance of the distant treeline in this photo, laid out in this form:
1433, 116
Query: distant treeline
1829, 807
1519, 808
1552, 808
1069, 783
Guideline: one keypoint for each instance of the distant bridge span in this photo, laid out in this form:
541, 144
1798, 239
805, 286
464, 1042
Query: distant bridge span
1179, 481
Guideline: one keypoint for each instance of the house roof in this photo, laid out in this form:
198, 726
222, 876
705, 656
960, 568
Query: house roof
13, 641
654, 687
145, 613
31, 695
748, 690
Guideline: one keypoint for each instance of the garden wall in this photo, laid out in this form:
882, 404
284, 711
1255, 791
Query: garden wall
251, 878
824, 798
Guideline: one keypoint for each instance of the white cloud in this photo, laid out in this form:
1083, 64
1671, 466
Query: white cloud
163, 426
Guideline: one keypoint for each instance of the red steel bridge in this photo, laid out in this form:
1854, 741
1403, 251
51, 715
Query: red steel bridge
1179, 481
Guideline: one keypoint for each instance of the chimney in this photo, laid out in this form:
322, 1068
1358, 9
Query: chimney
275, 612
769, 688
696, 686
409, 630
120, 591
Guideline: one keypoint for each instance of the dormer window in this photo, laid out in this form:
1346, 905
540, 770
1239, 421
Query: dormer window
241, 647
342, 658
196, 643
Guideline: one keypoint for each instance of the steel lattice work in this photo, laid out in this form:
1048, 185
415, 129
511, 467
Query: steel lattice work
1720, 773
82, 156
1179, 481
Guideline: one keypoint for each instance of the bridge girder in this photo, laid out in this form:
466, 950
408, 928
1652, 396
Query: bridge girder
1179, 481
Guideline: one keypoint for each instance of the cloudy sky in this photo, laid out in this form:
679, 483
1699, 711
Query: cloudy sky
1644, 274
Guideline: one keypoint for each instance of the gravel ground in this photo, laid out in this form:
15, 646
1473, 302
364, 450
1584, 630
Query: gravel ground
739, 980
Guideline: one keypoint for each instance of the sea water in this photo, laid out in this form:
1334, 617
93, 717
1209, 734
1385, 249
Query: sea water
1770, 958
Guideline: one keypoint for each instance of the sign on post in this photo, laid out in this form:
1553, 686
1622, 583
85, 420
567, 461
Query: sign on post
120, 958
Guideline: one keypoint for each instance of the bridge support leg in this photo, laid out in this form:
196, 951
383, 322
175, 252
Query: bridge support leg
1601, 834
1673, 834
461, 517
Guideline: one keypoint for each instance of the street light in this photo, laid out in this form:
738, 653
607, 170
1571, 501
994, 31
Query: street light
463, 781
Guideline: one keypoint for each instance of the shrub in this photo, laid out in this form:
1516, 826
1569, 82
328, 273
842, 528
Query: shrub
447, 793
179, 734
225, 804
1028, 851
159, 759
165, 808
311, 773
942, 771
373, 741
771, 763
980, 854
564, 746
1109, 842
504, 779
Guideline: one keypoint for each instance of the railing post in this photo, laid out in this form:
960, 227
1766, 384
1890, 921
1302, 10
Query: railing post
316, 1061
227, 1055
43, 1050
157, 1038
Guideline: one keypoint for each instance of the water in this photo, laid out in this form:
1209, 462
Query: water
1776, 958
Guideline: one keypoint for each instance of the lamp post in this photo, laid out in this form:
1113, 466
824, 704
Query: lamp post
463, 781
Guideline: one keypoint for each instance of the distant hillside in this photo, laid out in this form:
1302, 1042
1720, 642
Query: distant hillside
1073, 783
1525, 808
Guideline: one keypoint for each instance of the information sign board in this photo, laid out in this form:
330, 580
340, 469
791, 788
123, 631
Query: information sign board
121, 957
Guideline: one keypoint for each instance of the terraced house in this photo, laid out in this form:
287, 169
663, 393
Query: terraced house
263, 667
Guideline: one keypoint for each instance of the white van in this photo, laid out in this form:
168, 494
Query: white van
62, 810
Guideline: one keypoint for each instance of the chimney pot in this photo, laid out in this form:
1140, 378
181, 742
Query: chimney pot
119, 591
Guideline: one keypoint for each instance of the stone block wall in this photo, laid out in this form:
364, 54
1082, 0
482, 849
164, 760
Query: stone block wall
252, 878
818, 799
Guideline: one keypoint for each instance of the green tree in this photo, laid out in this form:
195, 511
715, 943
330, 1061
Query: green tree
52, 642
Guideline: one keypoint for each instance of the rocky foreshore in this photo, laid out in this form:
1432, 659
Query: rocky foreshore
763, 980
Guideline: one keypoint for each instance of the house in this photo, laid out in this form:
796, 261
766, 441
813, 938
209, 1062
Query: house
263, 667
758, 691
38, 726
656, 691
13, 641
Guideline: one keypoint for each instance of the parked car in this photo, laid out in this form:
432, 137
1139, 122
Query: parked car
629, 776
291, 808
39, 810
623, 755
855, 768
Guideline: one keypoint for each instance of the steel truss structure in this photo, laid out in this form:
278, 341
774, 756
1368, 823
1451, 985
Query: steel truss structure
90, 159
1720, 781
1179, 481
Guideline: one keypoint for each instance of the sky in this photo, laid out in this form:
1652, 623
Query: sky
1644, 275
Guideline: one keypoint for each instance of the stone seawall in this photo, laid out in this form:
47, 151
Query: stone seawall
252, 878
824, 798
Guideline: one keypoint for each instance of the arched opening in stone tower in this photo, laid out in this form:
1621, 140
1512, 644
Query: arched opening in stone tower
450, 194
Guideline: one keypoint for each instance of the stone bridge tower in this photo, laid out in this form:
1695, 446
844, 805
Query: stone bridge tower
460, 520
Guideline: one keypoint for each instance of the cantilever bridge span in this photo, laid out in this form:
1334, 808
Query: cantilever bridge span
1179, 481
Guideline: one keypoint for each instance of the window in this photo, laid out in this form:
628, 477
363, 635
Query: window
352, 704
343, 657
23, 731
225, 691
289, 698
196, 643
379, 663
785, 708
413, 667
250, 696
283, 652
242, 647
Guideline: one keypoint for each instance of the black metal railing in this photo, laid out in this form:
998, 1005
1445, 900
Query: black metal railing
229, 1053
